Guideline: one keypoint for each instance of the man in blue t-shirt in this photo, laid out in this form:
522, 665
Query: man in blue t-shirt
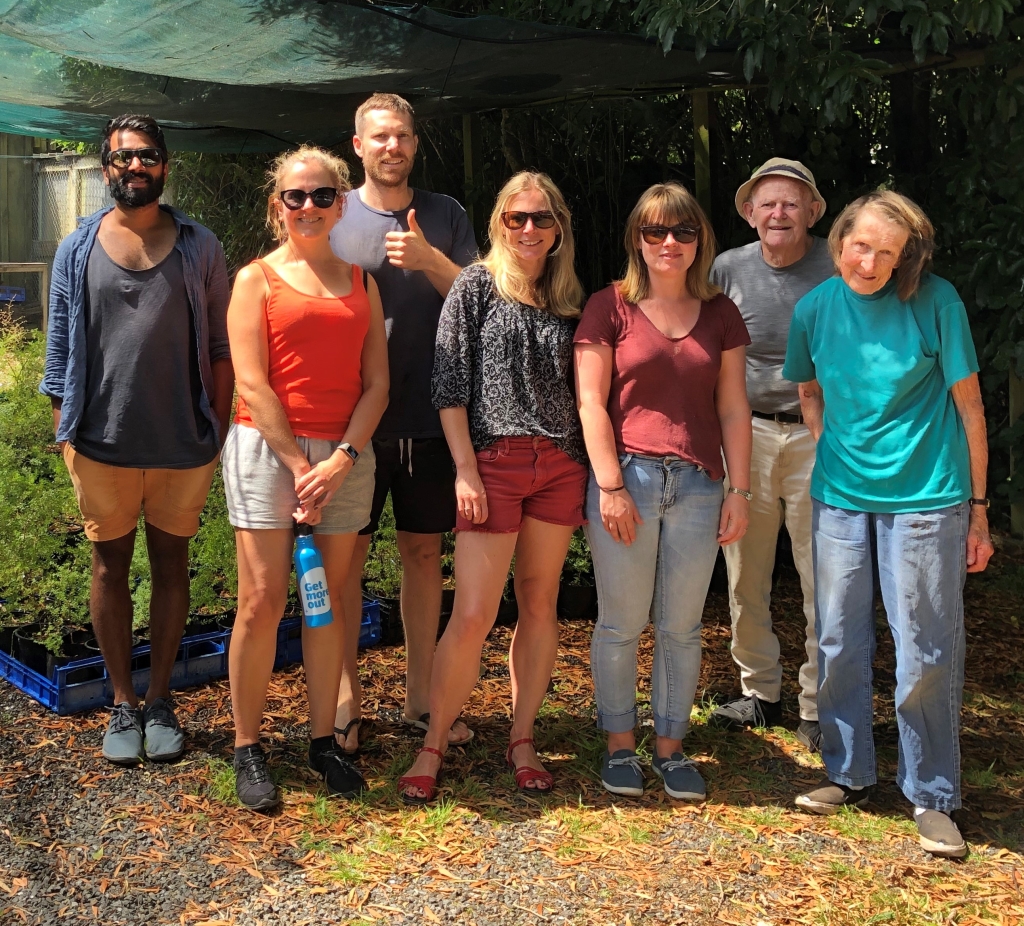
414, 244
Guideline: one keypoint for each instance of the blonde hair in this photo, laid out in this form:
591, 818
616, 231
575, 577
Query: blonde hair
307, 154
389, 102
668, 204
558, 290
915, 260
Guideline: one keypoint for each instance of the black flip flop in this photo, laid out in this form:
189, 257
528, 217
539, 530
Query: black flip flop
343, 733
423, 723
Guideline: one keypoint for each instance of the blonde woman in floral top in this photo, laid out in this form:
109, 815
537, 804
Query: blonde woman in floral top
502, 374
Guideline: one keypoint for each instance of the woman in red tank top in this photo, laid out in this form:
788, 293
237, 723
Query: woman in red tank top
310, 356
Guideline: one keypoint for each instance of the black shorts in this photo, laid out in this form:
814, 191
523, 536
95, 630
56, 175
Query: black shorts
420, 475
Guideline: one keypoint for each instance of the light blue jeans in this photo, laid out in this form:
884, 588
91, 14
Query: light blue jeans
663, 576
919, 561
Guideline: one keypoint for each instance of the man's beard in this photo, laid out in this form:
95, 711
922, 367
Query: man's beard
134, 197
389, 178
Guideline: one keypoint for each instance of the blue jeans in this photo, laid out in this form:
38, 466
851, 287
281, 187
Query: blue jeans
663, 576
920, 563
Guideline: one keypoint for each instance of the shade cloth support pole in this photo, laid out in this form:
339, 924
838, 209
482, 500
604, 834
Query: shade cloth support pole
702, 150
1016, 410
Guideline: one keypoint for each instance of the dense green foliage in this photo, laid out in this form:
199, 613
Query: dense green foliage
45, 558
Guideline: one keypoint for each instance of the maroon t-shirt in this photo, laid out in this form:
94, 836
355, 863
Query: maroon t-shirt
662, 398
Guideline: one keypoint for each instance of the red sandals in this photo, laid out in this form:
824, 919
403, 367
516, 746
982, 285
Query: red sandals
545, 780
427, 783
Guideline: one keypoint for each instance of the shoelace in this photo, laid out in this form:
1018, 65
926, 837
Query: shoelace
160, 713
759, 718
672, 765
254, 766
122, 718
632, 761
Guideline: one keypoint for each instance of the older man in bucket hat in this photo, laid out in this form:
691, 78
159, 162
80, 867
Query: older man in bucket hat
766, 279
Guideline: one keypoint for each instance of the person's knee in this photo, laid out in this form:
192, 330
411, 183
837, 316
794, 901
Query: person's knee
472, 621
259, 609
536, 600
420, 552
112, 560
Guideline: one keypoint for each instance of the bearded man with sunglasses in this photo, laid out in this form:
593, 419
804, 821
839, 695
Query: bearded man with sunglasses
413, 243
766, 279
139, 375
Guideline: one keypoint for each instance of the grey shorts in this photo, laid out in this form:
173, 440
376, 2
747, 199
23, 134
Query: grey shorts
260, 489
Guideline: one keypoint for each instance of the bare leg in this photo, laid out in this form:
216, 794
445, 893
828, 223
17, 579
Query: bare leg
325, 648
168, 606
540, 553
263, 570
110, 606
421, 612
350, 693
481, 566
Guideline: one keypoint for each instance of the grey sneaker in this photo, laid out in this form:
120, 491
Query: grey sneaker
828, 797
682, 780
938, 834
122, 743
253, 785
748, 711
809, 733
165, 740
621, 773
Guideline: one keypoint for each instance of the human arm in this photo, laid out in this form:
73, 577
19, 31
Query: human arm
223, 393
734, 420
619, 513
410, 250
326, 477
218, 296
812, 407
967, 398
57, 334
470, 495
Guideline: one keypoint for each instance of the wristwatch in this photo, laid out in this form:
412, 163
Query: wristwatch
350, 450
741, 492
984, 502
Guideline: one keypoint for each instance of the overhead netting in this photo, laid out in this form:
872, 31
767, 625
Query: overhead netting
234, 75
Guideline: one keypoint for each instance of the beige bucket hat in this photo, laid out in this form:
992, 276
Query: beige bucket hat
779, 167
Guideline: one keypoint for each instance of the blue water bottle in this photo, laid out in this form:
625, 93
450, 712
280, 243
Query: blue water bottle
311, 579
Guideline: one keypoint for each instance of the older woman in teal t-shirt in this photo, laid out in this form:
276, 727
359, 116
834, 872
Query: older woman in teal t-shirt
889, 388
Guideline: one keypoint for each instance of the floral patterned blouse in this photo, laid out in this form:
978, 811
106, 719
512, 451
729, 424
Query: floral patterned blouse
509, 364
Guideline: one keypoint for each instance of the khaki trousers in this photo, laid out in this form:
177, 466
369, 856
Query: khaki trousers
782, 458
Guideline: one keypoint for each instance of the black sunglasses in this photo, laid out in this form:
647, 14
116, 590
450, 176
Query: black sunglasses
123, 157
323, 197
655, 234
516, 220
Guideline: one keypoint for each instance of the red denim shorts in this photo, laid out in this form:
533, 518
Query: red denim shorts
528, 477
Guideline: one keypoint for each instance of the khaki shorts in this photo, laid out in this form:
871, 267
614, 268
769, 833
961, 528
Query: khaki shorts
112, 497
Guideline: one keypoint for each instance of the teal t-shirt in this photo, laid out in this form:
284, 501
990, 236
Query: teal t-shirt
892, 440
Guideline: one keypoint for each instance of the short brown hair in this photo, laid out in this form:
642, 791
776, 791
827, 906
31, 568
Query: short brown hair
916, 258
331, 163
390, 102
668, 204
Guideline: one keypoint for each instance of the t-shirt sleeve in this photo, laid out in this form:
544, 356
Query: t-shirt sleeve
799, 366
599, 324
957, 355
463, 239
455, 348
734, 331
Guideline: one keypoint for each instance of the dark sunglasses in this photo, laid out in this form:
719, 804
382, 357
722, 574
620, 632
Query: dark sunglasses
655, 234
123, 157
516, 220
323, 197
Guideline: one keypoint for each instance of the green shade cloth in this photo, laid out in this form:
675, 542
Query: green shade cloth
260, 74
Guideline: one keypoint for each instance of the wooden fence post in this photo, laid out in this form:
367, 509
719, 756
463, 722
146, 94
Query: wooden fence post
702, 150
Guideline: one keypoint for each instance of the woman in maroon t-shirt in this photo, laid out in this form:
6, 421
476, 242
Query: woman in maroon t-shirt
660, 367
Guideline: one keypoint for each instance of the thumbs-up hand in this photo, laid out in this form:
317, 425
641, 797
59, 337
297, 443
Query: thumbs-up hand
409, 250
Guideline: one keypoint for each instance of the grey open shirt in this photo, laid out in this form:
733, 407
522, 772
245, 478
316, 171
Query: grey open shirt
206, 282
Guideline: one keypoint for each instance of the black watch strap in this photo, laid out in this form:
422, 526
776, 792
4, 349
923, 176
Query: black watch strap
984, 502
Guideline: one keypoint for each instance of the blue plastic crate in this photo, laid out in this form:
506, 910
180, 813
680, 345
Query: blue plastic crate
289, 635
84, 684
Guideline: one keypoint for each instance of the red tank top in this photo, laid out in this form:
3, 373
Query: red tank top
315, 349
